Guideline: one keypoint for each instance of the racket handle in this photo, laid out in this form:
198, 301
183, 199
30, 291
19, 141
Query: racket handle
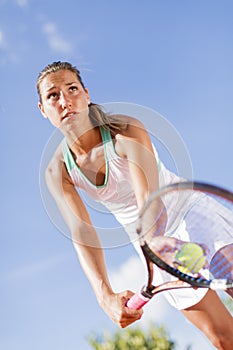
137, 301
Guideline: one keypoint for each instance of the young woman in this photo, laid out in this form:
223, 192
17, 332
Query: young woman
98, 153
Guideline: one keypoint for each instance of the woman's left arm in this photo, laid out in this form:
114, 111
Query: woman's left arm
135, 145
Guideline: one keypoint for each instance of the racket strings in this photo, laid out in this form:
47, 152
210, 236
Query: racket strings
221, 266
176, 217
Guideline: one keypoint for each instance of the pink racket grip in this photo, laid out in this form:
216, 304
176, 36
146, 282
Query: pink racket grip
137, 301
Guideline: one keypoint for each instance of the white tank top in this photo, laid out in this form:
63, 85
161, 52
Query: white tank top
116, 193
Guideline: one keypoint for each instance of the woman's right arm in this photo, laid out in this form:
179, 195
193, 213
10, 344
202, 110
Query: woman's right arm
87, 244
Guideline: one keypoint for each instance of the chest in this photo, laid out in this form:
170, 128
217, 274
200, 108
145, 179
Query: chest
93, 165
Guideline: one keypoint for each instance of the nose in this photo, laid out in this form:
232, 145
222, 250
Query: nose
64, 100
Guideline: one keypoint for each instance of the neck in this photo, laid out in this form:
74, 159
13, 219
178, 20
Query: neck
83, 140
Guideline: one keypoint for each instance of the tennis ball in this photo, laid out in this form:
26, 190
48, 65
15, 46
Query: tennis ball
190, 258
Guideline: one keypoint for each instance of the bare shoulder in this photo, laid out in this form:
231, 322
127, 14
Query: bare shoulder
131, 127
127, 121
134, 133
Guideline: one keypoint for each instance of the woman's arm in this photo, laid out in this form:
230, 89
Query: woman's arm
135, 145
87, 244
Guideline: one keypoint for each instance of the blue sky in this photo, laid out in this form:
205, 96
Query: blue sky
172, 56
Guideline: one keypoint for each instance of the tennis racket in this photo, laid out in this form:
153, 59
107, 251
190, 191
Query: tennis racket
186, 229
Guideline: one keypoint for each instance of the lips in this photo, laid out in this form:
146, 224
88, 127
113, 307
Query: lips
69, 115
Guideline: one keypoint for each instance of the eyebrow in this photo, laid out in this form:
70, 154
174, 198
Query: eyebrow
67, 84
73, 82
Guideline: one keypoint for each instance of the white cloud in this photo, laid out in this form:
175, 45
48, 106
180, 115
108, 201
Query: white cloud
9, 53
55, 40
1, 39
22, 3
6, 55
31, 269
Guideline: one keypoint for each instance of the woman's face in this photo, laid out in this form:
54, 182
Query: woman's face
63, 97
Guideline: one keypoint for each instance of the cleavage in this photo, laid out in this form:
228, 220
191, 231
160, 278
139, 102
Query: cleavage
93, 165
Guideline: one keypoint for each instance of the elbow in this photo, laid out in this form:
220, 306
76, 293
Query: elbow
49, 175
49, 179
52, 179
85, 235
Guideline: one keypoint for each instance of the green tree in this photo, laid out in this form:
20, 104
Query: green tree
156, 338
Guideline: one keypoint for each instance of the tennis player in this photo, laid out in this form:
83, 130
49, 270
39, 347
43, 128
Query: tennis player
111, 157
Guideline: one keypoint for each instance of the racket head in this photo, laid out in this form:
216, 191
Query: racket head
186, 229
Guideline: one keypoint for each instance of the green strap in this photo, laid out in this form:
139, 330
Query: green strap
106, 135
68, 158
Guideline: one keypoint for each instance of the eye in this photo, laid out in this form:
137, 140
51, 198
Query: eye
73, 88
52, 95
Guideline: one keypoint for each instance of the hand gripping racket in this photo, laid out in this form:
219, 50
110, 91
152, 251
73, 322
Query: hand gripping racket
186, 229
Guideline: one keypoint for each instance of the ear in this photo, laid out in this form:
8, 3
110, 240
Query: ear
88, 96
41, 108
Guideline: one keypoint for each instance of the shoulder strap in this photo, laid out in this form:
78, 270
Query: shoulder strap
106, 135
68, 158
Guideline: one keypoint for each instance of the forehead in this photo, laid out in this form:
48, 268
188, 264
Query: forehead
58, 79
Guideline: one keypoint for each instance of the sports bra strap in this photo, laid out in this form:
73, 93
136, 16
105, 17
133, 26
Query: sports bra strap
106, 135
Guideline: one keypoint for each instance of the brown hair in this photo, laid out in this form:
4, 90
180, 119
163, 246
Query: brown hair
96, 113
